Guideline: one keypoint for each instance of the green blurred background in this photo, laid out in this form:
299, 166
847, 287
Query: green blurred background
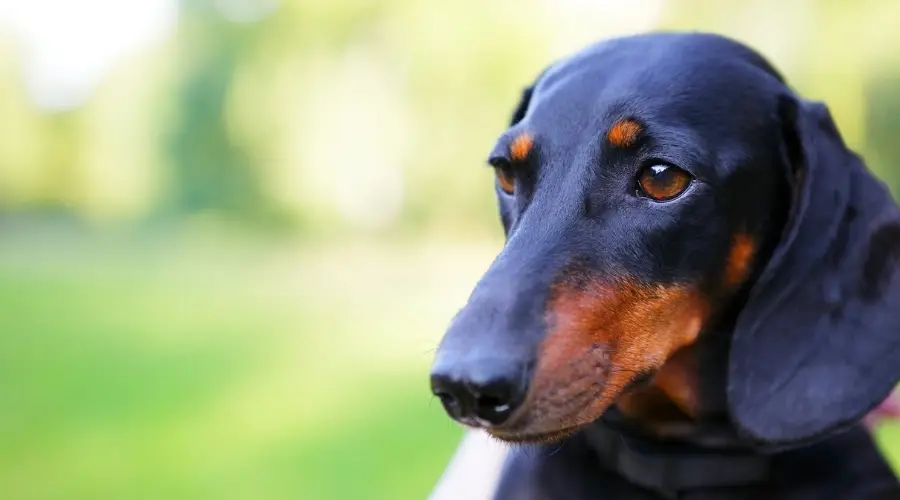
232, 231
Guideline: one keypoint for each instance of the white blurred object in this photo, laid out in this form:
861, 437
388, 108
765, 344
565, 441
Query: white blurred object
68, 46
473, 471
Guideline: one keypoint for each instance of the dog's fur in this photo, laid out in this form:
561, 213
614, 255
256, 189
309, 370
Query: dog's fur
758, 307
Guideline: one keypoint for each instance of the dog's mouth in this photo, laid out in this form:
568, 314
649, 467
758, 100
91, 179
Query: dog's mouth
559, 408
537, 425
536, 437
556, 412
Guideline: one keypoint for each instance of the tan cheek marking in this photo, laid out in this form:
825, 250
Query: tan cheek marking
521, 146
650, 405
624, 133
740, 258
677, 379
636, 326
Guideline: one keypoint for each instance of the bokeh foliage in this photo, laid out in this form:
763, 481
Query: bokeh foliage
331, 116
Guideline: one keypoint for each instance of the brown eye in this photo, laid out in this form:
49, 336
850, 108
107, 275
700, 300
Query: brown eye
505, 178
663, 182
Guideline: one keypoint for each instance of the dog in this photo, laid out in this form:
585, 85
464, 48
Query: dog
699, 293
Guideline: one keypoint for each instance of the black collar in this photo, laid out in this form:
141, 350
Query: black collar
715, 458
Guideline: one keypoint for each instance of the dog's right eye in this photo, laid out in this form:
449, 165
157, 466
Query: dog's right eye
506, 178
663, 182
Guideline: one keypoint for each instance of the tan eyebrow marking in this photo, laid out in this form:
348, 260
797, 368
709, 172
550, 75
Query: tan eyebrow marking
521, 146
624, 133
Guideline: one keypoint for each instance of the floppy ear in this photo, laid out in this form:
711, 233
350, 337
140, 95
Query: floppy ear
818, 343
525, 101
522, 107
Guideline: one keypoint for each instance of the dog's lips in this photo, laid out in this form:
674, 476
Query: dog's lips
533, 437
475, 423
530, 423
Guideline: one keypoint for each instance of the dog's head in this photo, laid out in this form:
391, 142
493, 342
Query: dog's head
653, 188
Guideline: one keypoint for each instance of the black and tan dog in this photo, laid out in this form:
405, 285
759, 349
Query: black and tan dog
699, 295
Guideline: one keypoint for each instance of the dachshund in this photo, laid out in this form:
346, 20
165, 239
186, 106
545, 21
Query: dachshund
699, 293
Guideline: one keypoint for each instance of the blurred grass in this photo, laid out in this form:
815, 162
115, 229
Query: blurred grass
216, 370
888, 436
212, 369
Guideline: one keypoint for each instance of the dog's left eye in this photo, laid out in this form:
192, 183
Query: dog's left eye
505, 177
663, 182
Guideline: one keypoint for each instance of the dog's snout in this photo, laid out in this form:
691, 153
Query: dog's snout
484, 396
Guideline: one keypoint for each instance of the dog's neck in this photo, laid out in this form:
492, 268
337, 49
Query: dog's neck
686, 396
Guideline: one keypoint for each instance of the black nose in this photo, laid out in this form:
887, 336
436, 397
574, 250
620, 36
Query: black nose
482, 398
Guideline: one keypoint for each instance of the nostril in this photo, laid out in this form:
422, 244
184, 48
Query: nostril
448, 400
492, 403
492, 409
496, 402
485, 402
453, 396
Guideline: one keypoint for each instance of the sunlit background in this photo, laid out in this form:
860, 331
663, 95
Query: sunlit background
232, 231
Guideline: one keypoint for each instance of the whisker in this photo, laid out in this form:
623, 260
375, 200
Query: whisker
561, 444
